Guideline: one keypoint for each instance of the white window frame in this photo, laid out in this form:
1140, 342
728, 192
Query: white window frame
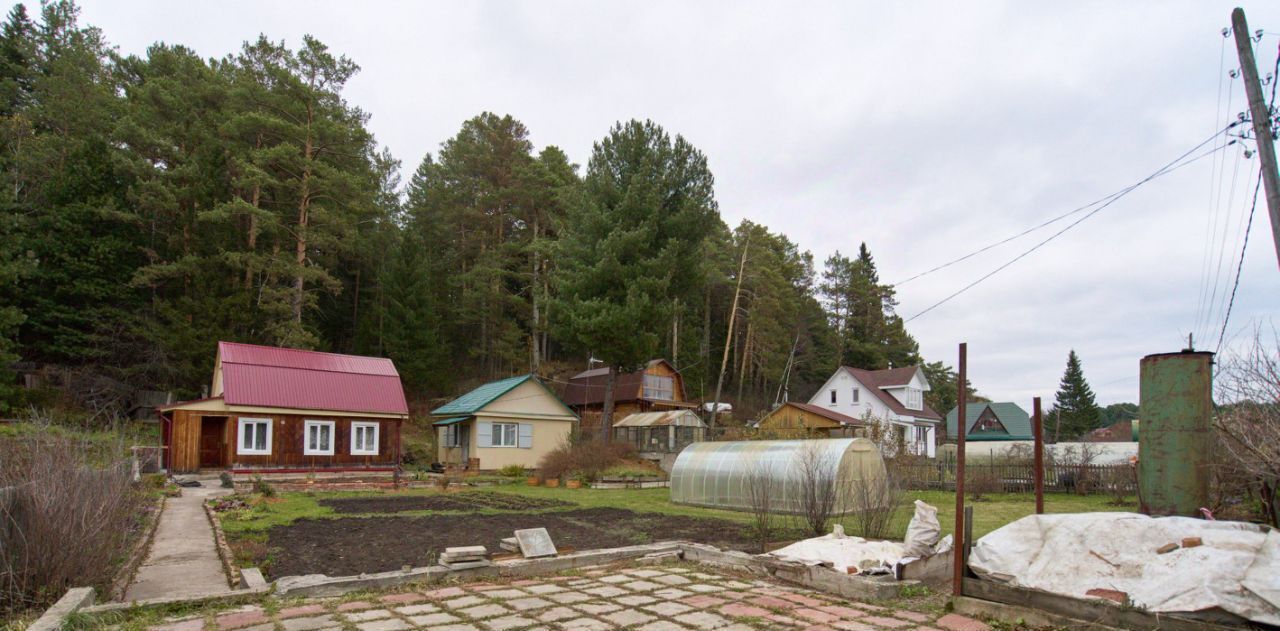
855, 395
498, 433
306, 438
377, 431
245, 422
452, 438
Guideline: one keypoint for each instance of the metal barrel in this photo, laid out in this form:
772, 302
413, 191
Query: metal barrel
1176, 407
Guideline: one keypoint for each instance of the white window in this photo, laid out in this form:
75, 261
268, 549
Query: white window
452, 435
855, 396
914, 400
833, 397
319, 438
505, 434
255, 437
364, 439
659, 387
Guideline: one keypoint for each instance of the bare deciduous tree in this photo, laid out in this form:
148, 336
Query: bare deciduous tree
875, 502
763, 493
1249, 424
817, 481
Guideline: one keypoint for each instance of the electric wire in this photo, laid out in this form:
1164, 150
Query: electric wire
1214, 185
1227, 213
1177, 163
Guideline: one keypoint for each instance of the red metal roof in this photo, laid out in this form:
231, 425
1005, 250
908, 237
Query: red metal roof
878, 380
291, 378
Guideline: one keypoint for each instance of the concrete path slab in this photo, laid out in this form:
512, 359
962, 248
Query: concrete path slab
183, 560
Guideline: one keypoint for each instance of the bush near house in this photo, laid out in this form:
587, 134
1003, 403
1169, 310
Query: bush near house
586, 459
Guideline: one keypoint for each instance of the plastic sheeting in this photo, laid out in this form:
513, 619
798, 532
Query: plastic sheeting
1237, 567
844, 552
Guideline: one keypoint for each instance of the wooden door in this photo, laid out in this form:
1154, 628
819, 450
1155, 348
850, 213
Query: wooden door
213, 441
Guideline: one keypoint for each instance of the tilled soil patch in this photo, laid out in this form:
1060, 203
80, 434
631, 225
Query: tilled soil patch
469, 501
354, 545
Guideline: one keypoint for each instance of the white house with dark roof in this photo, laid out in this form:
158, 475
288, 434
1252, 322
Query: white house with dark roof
894, 396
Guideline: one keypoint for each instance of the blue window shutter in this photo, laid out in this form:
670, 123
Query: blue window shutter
526, 436
484, 434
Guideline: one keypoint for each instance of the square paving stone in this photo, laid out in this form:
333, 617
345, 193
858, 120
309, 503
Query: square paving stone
853, 625
702, 620
815, 615
586, 624
508, 622
703, 600
661, 625
409, 597
465, 601
737, 585
616, 578
390, 624
703, 588
413, 610
880, 621
558, 613
645, 573
432, 619
641, 586
270, 626
362, 616
608, 591
671, 593
304, 610
457, 627
596, 609
628, 618
444, 592
671, 579
194, 624
668, 609
850, 612
565, 598
309, 624
635, 601
545, 588
484, 611
506, 594
739, 610
526, 604
358, 605
239, 619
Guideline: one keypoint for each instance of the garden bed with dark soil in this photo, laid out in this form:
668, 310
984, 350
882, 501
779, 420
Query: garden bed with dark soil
346, 546
466, 502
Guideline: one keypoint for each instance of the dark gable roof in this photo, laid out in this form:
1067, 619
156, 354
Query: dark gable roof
587, 387
842, 419
877, 380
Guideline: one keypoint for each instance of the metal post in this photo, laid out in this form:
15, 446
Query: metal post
1038, 428
1261, 122
961, 429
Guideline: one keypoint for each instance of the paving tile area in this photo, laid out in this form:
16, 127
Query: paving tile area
664, 598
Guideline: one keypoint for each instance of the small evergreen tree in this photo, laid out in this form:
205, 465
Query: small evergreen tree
1075, 411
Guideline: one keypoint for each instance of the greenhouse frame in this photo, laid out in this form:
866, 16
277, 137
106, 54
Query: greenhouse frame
719, 474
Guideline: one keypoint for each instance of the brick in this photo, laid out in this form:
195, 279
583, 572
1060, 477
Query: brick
305, 610
881, 621
846, 612
702, 620
957, 622
194, 624
465, 601
238, 620
773, 602
1167, 548
1117, 597
739, 610
734, 595
358, 605
1192, 542
432, 619
628, 618
390, 624
852, 625
484, 587
309, 624
368, 615
801, 599
407, 597
444, 592
913, 616
703, 588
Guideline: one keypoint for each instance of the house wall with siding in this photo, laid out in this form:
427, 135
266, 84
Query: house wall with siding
527, 404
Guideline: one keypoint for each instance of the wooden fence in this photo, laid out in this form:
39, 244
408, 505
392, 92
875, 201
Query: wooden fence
1019, 477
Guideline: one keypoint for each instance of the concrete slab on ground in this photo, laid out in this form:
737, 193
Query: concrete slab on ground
183, 561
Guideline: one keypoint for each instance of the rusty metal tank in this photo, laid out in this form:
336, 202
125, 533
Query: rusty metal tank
1176, 408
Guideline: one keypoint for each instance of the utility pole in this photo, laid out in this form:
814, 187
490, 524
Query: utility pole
1261, 116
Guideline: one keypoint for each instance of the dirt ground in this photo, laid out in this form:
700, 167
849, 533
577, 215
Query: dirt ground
345, 546
467, 502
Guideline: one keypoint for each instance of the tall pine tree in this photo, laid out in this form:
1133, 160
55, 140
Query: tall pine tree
1075, 411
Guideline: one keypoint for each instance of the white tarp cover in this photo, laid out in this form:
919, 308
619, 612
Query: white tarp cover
1237, 568
844, 552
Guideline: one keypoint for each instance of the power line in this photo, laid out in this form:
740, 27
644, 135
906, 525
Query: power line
1215, 185
1163, 170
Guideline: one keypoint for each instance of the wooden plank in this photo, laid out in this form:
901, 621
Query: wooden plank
1098, 612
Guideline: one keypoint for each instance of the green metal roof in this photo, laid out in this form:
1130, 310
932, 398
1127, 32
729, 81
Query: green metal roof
471, 402
1015, 420
451, 420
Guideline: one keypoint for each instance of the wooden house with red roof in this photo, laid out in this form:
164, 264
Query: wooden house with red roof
284, 410
658, 387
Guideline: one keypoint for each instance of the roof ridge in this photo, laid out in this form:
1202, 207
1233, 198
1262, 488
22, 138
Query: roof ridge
300, 350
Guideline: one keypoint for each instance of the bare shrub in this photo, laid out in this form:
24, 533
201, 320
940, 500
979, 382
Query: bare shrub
1117, 481
65, 520
1248, 426
876, 502
815, 472
762, 491
1078, 460
585, 458
981, 481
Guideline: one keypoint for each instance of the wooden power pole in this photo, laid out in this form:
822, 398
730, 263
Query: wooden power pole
728, 338
1261, 116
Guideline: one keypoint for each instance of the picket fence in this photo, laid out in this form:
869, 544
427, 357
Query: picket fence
1019, 477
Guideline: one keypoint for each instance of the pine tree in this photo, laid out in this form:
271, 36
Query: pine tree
1075, 411
861, 309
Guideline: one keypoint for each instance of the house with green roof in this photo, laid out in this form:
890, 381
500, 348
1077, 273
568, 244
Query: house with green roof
513, 421
991, 421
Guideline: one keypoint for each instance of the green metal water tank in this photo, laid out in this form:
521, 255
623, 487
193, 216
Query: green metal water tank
1176, 407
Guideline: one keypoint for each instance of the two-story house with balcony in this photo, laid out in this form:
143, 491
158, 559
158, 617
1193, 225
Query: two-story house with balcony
892, 397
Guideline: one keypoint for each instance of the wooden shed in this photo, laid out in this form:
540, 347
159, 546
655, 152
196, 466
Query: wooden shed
804, 419
283, 410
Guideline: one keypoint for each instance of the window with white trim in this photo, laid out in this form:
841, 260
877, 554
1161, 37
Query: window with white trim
855, 396
318, 438
505, 434
255, 437
364, 439
914, 399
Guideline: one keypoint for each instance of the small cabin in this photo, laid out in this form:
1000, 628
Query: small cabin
804, 419
514, 421
284, 410
657, 387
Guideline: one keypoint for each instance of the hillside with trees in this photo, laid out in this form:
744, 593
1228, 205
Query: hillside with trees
155, 204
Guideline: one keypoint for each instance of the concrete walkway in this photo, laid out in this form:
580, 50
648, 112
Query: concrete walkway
183, 560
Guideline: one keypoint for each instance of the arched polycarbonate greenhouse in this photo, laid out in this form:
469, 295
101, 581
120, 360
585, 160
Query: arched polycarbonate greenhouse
727, 474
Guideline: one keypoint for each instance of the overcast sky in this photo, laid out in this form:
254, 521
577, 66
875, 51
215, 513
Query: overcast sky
926, 130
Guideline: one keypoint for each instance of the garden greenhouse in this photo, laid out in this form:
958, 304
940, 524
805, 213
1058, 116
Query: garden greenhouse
725, 474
